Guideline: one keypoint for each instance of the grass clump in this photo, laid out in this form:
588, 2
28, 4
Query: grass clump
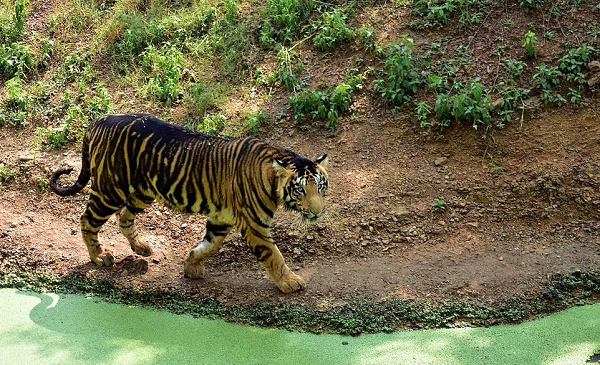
284, 21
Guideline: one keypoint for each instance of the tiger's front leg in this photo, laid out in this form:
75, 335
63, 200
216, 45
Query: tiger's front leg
270, 257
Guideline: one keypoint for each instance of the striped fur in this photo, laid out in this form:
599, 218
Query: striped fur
134, 159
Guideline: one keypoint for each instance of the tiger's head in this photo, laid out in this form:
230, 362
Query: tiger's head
302, 186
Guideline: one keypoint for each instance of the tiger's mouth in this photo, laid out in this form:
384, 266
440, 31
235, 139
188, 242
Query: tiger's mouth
310, 218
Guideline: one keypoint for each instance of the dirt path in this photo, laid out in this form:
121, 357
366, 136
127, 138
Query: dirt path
518, 210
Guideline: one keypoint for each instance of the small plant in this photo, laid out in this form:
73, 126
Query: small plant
16, 59
44, 184
514, 67
439, 205
472, 104
212, 125
322, 105
545, 80
20, 15
399, 79
290, 65
367, 35
6, 174
574, 64
331, 30
253, 122
530, 42
423, 114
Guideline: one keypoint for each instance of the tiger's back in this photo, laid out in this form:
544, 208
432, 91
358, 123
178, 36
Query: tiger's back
134, 159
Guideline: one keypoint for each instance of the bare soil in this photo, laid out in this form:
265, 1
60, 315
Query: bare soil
521, 205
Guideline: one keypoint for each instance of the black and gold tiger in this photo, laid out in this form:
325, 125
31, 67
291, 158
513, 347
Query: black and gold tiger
134, 159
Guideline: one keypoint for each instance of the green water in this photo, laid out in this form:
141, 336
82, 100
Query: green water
51, 329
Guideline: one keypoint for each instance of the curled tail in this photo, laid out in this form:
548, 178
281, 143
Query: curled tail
82, 180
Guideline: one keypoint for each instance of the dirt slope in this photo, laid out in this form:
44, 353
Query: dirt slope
500, 236
520, 206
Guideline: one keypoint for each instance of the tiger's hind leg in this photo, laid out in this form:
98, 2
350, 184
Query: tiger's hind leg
92, 219
213, 240
135, 204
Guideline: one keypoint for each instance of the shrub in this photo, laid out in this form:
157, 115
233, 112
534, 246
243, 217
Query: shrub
331, 30
164, 69
399, 79
320, 105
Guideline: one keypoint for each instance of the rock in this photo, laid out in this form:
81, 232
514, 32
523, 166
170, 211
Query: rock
440, 161
594, 66
594, 80
401, 213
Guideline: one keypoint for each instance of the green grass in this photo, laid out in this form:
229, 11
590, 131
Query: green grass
184, 60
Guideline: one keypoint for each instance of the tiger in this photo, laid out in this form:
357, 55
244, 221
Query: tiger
134, 159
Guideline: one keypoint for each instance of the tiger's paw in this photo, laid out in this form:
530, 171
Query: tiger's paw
193, 271
291, 284
105, 258
142, 249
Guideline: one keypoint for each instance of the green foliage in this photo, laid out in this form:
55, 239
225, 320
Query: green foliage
423, 114
15, 107
16, 59
439, 205
545, 80
20, 16
290, 65
6, 174
212, 125
284, 20
514, 67
530, 5
399, 79
472, 104
321, 105
437, 13
368, 34
164, 70
254, 122
574, 64
331, 30
530, 42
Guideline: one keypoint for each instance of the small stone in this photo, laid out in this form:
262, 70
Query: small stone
13, 225
594, 66
184, 225
73, 231
440, 161
501, 258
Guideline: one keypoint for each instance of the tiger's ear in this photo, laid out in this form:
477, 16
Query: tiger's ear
323, 161
280, 169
